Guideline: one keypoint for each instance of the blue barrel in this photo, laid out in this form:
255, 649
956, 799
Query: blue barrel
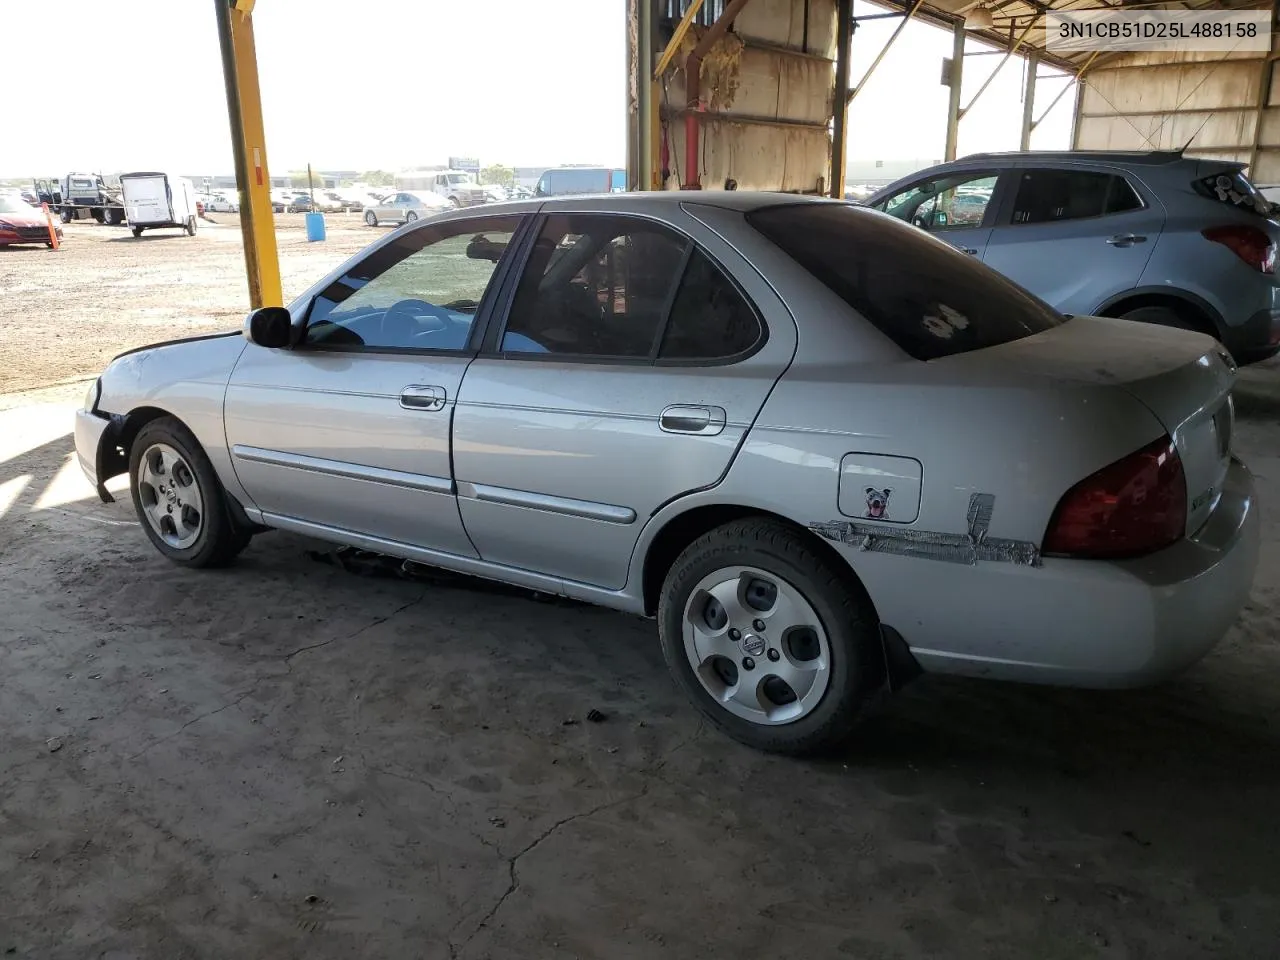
315, 226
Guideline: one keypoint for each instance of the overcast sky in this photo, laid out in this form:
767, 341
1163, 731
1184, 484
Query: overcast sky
390, 84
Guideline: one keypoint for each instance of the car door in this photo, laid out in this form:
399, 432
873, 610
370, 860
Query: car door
956, 206
1075, 236
349, 432
633, 359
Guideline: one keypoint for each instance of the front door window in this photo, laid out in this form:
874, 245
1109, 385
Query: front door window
944, 203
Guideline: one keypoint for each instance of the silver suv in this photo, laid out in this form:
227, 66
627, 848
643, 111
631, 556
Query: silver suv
1154, 237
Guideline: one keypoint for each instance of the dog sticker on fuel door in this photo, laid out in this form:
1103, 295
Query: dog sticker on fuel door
877, 503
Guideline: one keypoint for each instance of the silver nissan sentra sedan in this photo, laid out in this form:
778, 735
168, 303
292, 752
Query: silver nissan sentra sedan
824, 449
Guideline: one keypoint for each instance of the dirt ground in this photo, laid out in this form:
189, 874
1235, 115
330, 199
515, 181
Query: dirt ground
287, 760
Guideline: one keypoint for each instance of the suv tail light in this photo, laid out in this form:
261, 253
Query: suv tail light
1134, 506
1250, 244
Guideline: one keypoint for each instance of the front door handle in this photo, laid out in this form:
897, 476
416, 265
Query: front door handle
972, 251
692, 418
416, 396
1125, 240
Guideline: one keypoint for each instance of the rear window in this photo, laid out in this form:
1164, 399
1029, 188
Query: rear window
927, 297
1234, 188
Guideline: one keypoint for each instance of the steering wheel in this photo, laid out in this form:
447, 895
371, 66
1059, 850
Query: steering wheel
405, 315
922, 220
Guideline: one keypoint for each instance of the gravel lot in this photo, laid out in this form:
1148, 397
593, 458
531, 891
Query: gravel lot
288, 760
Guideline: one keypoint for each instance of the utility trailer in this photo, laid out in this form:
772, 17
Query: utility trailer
82, 196
154, 200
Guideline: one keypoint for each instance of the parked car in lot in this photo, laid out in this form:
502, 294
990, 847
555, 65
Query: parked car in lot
301, 203
405, 206
821, 447
20, 222
1156, 237
221, 203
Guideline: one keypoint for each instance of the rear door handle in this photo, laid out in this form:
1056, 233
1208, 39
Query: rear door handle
692, 418
419, 397
1125, 240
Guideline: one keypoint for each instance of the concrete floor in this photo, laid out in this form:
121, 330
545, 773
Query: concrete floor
287, 760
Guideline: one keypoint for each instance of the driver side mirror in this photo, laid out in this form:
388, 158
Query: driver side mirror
270, 327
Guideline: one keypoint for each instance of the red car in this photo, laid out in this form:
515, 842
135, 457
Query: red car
22, 223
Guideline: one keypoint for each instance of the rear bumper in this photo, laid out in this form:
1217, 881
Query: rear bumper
1088, 623
1258, 338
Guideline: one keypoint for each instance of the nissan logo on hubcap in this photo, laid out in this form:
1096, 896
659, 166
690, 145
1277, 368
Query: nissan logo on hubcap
753, 645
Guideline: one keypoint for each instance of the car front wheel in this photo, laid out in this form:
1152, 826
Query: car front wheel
410, 217
769, 638
179, 499
371, 218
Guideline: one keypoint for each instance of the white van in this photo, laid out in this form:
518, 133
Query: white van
158, 200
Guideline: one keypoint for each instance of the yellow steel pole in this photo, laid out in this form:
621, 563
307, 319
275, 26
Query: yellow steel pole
249, 144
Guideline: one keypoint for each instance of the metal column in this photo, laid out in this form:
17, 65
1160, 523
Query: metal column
953, 100
647, 121
249, 144
1029, 99
840, 102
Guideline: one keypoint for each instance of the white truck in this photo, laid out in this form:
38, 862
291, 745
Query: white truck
458, 187
154, 200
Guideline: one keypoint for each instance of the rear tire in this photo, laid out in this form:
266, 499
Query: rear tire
1164, 317
64, 215
820, 639
137, 231
410, 217
168, 472
191, 226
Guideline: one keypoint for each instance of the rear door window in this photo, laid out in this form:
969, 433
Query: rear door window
1047, 196
924, 295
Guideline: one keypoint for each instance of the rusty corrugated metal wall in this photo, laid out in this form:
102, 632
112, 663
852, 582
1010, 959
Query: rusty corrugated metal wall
1213, 101
775, 133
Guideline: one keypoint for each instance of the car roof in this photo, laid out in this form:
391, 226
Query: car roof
741, 200
1141, 158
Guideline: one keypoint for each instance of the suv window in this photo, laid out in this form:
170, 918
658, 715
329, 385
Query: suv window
1231, 186
1046, 196
709, 320
595, 286
924, 295
419, 292
945, 203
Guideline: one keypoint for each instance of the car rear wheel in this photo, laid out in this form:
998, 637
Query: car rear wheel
1163, 316
179, 500
137, 231
769, 638
410, 217
191, 226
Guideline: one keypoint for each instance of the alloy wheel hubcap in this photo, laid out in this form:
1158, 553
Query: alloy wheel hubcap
170, 495
756, 645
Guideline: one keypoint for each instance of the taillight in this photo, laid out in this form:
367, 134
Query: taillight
1250, 244
1134, 506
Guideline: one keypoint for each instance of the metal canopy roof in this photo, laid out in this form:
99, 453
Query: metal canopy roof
1012, 18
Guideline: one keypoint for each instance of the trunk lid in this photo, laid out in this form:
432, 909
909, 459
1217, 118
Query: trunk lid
1183, 378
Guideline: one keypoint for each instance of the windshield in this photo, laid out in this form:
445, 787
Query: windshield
12, 203
459, 178
1233, 187
923, 294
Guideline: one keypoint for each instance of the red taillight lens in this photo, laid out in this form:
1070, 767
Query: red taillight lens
1250, 244
1134, 506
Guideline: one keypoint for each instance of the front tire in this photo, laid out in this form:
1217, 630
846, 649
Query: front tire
179, 499
191, 226
410, 217
137, 231
370, 218
769, 638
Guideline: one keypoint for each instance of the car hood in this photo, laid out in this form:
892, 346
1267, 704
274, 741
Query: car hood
21, 218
